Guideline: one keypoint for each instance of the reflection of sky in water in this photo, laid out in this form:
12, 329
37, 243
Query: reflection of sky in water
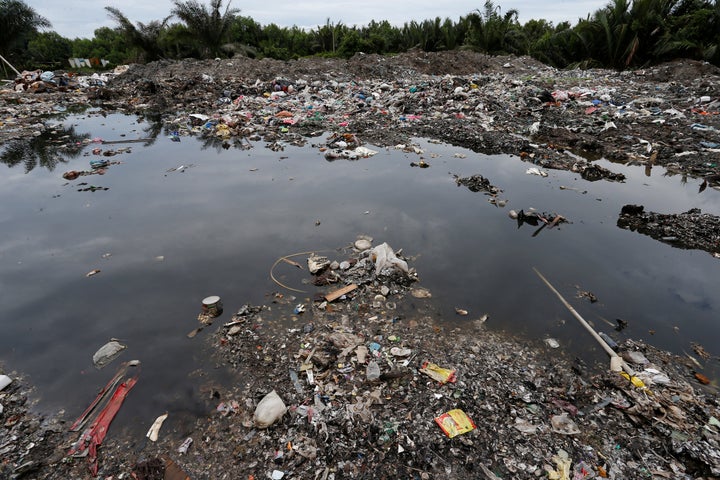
221, 224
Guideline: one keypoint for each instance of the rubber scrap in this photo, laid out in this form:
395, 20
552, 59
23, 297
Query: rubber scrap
93, 437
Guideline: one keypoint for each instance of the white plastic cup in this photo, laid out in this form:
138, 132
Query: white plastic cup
4, 381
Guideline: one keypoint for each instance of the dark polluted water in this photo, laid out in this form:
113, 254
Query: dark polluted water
165, 237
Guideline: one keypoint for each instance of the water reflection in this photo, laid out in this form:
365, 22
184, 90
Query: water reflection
61, 143
221, 224
54, 146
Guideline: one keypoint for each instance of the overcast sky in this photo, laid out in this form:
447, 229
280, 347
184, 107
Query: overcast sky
80, 18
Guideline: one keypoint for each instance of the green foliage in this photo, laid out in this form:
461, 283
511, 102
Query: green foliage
176, 41
210, 27
143, 38
19, 23
623, 34
108, 44
45, 49
496, 34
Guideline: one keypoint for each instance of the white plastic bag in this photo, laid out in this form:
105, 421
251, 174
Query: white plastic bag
384, 256
107, 353
270, 409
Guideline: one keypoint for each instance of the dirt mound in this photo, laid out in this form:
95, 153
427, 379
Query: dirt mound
681, 70
365, 66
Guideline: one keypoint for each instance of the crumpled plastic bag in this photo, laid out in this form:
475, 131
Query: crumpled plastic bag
384, 256
270, 409
564, 425
107, 353
563, 462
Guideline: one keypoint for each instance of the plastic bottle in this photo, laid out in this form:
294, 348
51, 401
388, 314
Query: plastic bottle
5, 381
296, 382
610, 342
373, 370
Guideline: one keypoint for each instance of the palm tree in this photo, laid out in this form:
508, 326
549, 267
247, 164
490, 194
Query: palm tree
208, 26
143, 37
18, 22
691, 32
493, 33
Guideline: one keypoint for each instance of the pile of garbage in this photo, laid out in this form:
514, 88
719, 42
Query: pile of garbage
359, 379
39, 81
691, 230
365, 383
362, 379
661, 116
554, 119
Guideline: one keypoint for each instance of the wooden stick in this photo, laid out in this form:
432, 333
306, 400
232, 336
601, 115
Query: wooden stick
592, 331
340, 292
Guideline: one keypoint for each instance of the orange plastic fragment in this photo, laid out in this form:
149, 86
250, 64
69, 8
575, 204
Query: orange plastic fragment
702, 378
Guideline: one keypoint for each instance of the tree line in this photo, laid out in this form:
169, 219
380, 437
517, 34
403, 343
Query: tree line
623, 34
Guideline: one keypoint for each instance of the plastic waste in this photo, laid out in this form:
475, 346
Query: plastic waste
154, 430
436, 372
564, 425
365, 152
562, 461
107, 353
635, 357
525, 426
361, 351
4, 381
536, 171
296, 382
270, 409
372, 371
384, 256
455, 422
317, 263
183, 448
610, 342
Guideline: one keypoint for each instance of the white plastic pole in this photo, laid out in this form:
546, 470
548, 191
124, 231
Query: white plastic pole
613, 354
10, 65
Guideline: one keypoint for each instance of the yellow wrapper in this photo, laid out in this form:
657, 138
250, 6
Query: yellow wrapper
436, 372
455, 422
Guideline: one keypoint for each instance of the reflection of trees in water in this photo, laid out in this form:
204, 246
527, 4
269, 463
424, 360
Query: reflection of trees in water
153, 127
220, 143
47, 150
59, 144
